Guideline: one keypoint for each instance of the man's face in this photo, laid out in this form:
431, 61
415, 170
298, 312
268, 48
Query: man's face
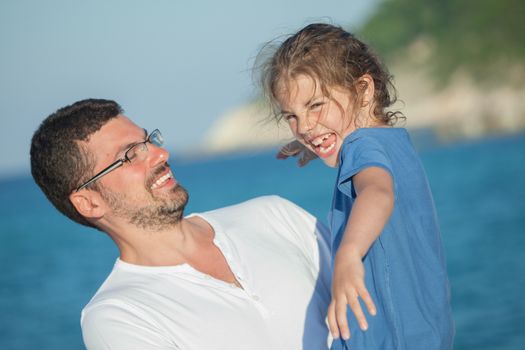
143, 192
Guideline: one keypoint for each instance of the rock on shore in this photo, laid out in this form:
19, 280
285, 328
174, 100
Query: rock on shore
462, 109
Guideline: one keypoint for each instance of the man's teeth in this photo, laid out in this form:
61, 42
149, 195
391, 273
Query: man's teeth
161, 180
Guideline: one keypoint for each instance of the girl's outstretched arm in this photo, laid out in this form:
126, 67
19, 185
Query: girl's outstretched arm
370, 212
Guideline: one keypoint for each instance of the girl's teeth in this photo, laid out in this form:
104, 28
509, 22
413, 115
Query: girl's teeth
327, 149
319, 140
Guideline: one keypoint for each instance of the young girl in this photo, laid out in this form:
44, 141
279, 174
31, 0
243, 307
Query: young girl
387, 254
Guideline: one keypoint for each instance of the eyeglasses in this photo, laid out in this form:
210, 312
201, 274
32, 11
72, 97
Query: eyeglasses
136, 151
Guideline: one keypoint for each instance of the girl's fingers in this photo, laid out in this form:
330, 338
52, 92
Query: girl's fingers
289, 150
332, 323
285, 153
281, 155
358, 312
296, 149
306, 156
337, 312
304, 160
367, 299
340, 315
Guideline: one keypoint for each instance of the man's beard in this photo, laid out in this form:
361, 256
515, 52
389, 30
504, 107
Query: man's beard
159, 213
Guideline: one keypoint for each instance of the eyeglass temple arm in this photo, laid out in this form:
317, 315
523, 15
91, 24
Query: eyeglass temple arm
102, 173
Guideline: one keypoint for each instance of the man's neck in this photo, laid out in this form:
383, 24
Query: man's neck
190, 242
169, 246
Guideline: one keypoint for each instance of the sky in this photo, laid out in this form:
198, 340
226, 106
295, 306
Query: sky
173, 65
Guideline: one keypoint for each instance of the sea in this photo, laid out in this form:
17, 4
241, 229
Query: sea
50, 267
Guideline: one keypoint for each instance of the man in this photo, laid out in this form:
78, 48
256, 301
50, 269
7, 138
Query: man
249, 276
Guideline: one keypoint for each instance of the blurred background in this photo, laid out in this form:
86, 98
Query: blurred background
185, 68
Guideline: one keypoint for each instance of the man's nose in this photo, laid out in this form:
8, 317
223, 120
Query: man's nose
157, 155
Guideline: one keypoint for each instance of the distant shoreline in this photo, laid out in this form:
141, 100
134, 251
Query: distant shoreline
423, 138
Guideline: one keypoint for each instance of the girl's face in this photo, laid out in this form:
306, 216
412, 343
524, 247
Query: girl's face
319, 122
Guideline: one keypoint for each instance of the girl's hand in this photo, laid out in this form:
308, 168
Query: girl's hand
348, 285
296, 149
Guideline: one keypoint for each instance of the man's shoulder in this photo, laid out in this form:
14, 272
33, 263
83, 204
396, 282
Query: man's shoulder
260, 203
111, 294
103, 306
263, 216
271, 201
264, 208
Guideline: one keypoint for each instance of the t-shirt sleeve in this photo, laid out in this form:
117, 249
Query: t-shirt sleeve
357, 155
310, 234
114, 327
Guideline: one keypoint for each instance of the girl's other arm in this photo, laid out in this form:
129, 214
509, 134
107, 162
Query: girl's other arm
370, 212
296, 149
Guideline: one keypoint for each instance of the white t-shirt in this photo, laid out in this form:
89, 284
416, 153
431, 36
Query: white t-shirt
278, 253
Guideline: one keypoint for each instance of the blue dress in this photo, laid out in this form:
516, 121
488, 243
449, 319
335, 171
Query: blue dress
405, 270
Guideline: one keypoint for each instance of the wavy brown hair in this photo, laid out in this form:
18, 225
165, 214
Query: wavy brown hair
331, 56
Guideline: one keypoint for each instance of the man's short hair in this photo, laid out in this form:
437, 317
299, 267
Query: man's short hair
59, 161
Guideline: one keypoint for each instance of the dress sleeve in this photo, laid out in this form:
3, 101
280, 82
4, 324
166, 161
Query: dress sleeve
357, 155
115, 327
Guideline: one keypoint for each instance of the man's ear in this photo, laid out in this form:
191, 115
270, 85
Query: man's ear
88, 203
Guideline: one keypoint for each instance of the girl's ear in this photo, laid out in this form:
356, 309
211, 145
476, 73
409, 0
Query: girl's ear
368, 89
88, 203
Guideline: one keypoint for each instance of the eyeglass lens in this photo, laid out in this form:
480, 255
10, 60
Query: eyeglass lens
154, 138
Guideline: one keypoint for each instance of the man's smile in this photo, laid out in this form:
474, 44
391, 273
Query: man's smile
161, 181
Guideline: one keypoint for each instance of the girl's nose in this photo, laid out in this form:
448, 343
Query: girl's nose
304, 125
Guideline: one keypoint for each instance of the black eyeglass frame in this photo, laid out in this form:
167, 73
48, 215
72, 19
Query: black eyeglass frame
118, 163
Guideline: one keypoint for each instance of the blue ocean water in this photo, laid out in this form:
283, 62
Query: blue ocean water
51, 267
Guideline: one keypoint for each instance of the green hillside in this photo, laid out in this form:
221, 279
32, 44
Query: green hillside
484, 37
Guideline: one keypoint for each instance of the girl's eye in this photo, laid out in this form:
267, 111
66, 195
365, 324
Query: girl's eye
289, 117
316, 105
